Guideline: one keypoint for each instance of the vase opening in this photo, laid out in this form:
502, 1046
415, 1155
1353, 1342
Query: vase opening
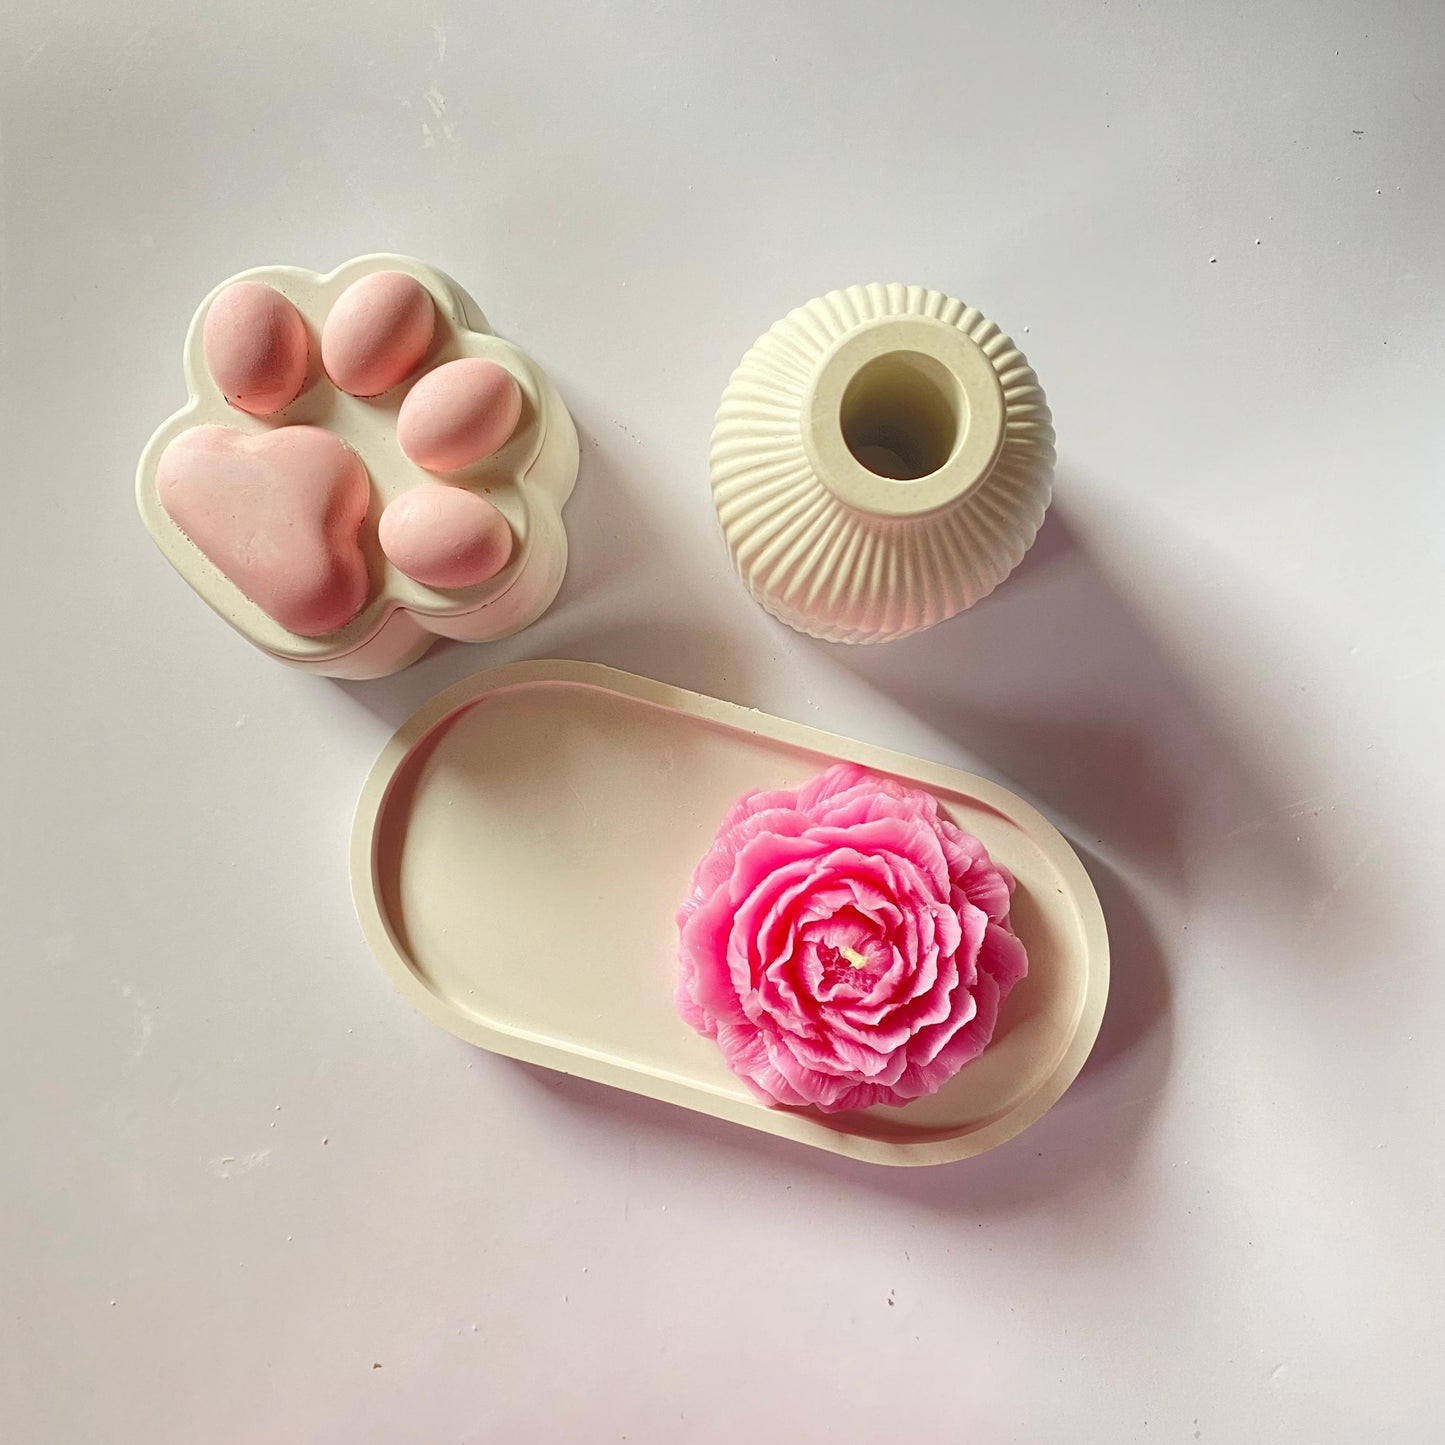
902, 415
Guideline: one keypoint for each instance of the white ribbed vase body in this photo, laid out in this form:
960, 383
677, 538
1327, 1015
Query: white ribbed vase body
882, 459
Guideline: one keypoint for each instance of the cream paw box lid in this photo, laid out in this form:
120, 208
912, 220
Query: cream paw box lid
360, 468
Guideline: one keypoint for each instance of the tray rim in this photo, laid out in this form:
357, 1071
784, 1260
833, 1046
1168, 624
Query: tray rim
800, 1126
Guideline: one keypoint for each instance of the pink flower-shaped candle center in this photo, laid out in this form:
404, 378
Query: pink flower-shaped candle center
845, 943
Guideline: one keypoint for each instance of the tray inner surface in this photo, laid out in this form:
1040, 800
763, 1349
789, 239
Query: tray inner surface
533, 850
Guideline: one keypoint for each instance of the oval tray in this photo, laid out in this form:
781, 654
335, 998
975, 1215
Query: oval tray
523, 842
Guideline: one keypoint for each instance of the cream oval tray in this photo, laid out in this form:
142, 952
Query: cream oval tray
522, 844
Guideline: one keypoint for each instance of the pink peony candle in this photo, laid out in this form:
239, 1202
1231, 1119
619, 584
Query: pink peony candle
845, 943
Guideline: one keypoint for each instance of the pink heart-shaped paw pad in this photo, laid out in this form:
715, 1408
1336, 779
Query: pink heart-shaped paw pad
279, 514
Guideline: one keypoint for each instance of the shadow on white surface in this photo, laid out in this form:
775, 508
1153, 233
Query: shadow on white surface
608, 608
673, 652
1137, 1021
1057, 686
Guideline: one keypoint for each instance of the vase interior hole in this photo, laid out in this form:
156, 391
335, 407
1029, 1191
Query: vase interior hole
903, 415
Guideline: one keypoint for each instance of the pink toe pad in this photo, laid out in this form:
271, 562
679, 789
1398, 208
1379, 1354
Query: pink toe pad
444, 536
378, 332
459, 414
256, 347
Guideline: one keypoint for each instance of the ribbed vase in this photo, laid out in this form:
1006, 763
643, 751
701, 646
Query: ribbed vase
882, 459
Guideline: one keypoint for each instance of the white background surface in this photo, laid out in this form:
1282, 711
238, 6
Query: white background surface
249, 1195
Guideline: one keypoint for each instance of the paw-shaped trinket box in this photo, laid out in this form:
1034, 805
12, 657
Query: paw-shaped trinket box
361, 467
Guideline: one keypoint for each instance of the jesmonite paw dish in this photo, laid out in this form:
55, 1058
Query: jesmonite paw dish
361, 467
882, 459
522, 845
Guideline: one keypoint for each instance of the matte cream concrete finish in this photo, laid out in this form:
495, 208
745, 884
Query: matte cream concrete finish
524, 841
882, 459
